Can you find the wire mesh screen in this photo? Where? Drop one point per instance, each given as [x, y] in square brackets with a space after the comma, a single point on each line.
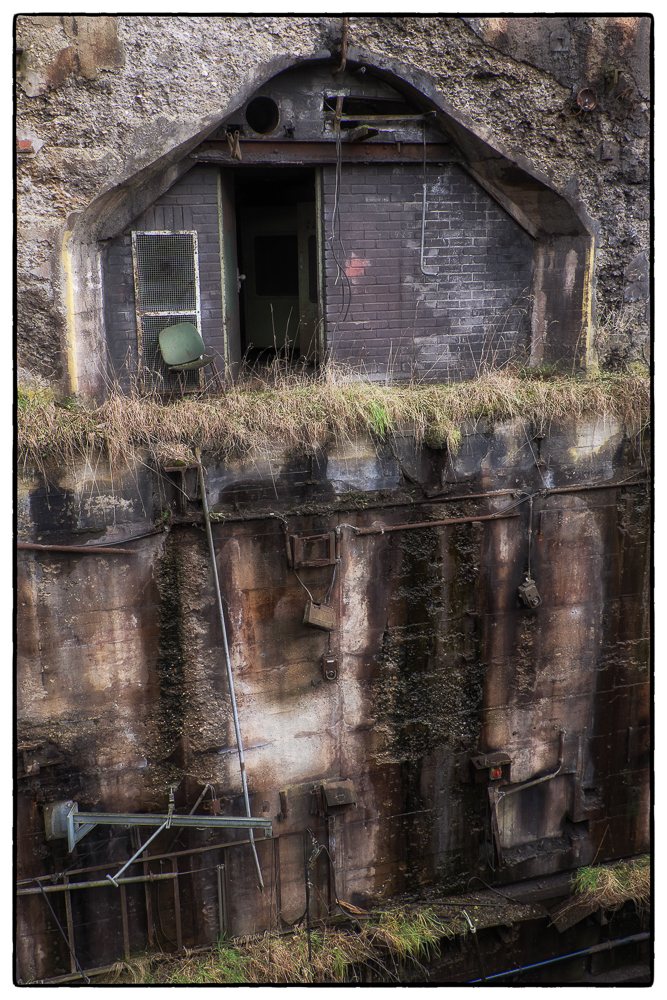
[166, 276]
[154, 369]
[166, 282]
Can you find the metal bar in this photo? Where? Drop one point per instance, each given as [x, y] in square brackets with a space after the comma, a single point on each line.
[228, 664]
[97, 549]
[126, 929]
[95, 884]
[70, 926]
[428, 524]
[300, 152]
[150, 922]
[112, 878]
[177, 906]
[222, 901]
[502, 792]
[155, 857]
[604, 946]
[59, 925]
[341, 68]
[157, 819]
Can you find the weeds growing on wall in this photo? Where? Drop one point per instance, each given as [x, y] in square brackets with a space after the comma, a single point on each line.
[383, 943]
[306, 412]
[610, 886]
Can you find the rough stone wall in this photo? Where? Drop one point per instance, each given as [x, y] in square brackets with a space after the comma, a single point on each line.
[100, 98]
[387, 316]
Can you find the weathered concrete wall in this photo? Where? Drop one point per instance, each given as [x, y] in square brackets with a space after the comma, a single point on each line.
[94, 112]
[122, 687]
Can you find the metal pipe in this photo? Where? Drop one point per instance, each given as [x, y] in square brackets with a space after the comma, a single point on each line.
[157, 819]
[501, 792]
[81, 549]
[165, 826]
[426, 524]
[605, 946]
[228, 664]
[99, 883]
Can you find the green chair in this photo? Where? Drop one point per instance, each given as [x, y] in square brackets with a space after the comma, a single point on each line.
[183, 351]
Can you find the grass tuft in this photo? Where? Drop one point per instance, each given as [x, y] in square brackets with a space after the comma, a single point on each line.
[305, 412]
[383, 942]
[610, 886]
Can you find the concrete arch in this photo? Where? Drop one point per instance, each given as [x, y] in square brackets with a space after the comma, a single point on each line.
[562, 306]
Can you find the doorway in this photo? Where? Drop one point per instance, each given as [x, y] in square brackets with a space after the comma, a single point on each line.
[278, 252]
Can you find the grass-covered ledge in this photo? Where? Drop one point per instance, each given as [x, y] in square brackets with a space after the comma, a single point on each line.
[302, 412]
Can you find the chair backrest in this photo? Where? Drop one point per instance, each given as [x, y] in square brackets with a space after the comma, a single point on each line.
[181, 344]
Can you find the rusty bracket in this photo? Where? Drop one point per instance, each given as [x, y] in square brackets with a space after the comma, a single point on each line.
[300, 544]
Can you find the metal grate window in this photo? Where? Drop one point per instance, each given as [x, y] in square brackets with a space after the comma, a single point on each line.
[166, 290]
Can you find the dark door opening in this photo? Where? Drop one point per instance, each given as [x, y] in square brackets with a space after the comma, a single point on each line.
[276, 225]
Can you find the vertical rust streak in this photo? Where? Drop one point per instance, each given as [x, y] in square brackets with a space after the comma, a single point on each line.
[70, 927]
[177, 907]
[126, 929]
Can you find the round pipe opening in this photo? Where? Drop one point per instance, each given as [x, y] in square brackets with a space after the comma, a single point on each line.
[262, 115]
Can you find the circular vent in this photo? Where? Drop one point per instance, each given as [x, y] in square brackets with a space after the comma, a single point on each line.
[262, 115]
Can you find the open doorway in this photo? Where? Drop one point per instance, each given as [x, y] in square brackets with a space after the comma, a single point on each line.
[277, 253]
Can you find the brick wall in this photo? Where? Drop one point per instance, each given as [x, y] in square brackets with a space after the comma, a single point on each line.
[383, 312]
[191, 204]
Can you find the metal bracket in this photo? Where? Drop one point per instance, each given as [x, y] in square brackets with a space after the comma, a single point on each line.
[63, 819]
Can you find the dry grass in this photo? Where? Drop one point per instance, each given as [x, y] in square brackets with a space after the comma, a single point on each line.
[383, 943]
[303, 412]
[610, 886]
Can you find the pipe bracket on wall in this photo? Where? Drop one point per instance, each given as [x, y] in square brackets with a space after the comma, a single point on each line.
[63, 820]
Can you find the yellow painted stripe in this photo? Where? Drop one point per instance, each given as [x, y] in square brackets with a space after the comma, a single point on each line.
[69, 306]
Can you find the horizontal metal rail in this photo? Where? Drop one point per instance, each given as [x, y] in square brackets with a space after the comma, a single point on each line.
[83, 822]
[373, 530]
[81, 549]
[97, 883]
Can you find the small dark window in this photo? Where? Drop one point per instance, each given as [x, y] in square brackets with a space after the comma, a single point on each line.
[276, 264]
[262, 115]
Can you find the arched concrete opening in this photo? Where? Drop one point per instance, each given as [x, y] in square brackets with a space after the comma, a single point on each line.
[459, 192]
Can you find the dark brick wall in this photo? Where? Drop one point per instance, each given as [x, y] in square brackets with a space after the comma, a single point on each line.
[382, 312]
[191, 204]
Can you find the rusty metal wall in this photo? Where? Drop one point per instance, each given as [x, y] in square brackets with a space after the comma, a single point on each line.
[122, 689]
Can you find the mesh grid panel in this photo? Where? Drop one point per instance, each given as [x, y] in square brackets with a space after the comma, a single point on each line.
[165, 269]
[166, 292]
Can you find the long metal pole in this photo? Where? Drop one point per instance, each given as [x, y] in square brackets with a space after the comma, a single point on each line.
[230, 678]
